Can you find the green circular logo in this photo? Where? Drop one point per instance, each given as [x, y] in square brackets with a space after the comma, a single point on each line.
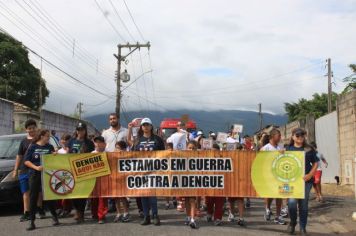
[287, 168]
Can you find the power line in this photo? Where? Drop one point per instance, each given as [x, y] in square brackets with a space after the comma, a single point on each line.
[33, 31]
[57, 34]
[38, 6]
[108, 20]
[122, 22]
[133, 20]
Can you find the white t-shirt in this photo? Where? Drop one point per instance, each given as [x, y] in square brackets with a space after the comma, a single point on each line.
[270, 147]
[231, 140]
[320, 157]
[112, 137]
[179, 140]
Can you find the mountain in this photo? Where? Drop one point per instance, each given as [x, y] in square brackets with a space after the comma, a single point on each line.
[206, 120]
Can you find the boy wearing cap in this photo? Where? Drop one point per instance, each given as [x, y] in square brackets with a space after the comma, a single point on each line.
[99, 206]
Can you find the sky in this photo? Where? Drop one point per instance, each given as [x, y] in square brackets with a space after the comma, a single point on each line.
[204, 54]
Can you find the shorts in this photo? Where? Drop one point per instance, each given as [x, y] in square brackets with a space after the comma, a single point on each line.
[317, 177]
[24, 183]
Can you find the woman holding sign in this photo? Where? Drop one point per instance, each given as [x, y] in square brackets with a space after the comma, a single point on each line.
[298, 143]
[147, 141]
[40, 146]
[80, 143]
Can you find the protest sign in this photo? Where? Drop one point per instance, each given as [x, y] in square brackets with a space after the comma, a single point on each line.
[221, 138]
[237, 128]
[207, 144]
[178, 173]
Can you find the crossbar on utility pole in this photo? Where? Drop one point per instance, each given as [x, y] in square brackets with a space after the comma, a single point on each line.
[121, 58]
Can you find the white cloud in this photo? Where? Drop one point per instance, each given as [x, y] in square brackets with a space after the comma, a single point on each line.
[253, 40]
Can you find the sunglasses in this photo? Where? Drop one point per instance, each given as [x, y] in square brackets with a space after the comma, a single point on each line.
[299, 135]
[145, 124]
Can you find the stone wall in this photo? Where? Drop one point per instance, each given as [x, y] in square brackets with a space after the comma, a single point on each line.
[346, 105]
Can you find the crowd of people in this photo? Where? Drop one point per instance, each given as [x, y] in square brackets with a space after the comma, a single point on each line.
[117, 138]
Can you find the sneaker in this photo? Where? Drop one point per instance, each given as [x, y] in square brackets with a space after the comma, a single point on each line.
[41, 213]
[192, 224]
[187, 220]
[32, 226]
[241, 222]
[167, 205]
[247, 203]
[65, 214]
[146, 221]
[118, 218]
[303, 232]
[291, 228]
[100, 222]
[55, 221]
[268, 215]
[231, 218]
[279, 220]
[218, 222]
[209, 218]
[156, 220]
[125, 218]
[284, 212]
[25, 217]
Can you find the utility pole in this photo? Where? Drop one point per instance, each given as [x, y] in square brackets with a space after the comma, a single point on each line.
[260, 114]
[120, 58]
[329, 86]
[40, 94]
[80, 110]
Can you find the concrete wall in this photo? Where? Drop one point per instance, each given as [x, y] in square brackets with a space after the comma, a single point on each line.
[308, 124]
[6, 117]
[62, 124]
[327, 139]
[50, 120]
[346, 105]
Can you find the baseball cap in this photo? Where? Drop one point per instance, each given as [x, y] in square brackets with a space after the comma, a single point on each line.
[299, 131]
[146, 121]
[81, 125]
[199, 133]
[99, 139]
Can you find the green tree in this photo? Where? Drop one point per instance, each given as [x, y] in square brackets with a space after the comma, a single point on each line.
[19, 79]
[317, 106]
[350, 80]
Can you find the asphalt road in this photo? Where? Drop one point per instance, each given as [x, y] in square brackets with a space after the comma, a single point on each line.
[172, 223]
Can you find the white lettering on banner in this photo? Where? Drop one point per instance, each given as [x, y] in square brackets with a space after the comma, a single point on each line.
[175, 164]
[175, 182]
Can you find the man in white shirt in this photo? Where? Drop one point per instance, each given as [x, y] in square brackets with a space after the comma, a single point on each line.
[274, 139]
[179, 138]
[114, 134]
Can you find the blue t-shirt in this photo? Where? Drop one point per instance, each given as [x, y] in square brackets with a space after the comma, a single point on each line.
[80, 146]
[154, 143]
[35, 152]
[309, 157]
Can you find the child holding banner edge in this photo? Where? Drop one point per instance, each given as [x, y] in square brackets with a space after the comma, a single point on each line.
[148, 141]
[40, 146]
[191, 202]
[298, 143]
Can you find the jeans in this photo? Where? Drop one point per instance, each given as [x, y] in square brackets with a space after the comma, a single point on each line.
[149, 203]
[303, 208]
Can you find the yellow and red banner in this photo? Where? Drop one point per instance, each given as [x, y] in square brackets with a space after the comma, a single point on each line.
[174, 173]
